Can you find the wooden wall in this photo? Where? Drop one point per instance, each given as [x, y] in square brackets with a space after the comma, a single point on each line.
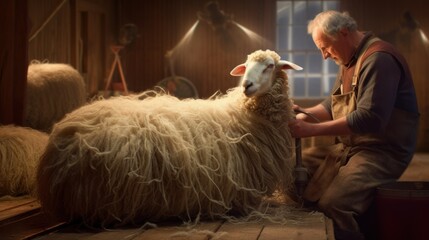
[206, 62]
[75, 32]
[13, 54]
[383, 17]
[81, 32]
[49, 38]
[207, 58]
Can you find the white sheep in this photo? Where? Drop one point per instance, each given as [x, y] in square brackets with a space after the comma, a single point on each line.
[151, 157]
[53, 90]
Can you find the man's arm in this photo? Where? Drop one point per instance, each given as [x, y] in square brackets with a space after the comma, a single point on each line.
[318, 111]
[337, 127]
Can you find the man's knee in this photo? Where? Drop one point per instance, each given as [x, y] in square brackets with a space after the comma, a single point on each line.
[327, 206]
[334, 206]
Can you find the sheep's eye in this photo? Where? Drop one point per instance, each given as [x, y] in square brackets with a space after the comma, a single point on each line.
[270, 66]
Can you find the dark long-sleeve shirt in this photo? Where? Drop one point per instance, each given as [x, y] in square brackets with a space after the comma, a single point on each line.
[384, 83]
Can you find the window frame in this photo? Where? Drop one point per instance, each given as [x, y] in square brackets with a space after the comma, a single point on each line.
[329, 69]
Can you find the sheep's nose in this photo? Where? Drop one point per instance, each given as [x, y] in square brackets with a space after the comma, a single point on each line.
[247, 84]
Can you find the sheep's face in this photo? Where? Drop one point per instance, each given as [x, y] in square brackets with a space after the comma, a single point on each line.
[257, 77]
[259, 73]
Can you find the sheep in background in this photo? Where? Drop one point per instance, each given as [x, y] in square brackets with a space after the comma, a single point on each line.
[53, 90]
[20, 150]
[151, 157]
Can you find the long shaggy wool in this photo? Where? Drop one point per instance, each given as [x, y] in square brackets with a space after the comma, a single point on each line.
[53, 90]
[153, 156]
[20, 150]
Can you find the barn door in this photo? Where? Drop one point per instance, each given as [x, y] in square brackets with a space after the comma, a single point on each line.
[91, 35]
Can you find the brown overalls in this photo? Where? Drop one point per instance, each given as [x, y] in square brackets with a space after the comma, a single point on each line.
[344, 176]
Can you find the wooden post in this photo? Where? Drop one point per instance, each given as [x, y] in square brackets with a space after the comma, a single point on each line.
[13, 61]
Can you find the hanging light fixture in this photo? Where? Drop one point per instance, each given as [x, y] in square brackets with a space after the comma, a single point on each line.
[213, 15]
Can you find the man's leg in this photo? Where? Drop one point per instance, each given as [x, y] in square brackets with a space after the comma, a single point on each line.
[353, 189]
[312, 158]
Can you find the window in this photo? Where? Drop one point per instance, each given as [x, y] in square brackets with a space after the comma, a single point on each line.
[295, 45]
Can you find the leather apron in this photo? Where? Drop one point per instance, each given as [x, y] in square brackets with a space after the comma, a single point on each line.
[342, 104]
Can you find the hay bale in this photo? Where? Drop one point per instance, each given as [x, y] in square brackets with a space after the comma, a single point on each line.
[20, 151]
[53, 90]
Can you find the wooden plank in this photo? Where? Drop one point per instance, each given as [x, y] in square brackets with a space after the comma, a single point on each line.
[329, 228]
[8, 202]
[240, 231]
[201, 231]
[14, 211]
[116, 234]
[27, 227]
[76, 232]
[70, 232]
[309, 226]
[166, 231]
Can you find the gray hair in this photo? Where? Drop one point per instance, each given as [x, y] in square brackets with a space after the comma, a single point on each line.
[331, 22]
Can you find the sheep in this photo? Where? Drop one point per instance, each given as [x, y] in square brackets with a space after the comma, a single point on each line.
[53, 90]
[152, 157]
[20, 150]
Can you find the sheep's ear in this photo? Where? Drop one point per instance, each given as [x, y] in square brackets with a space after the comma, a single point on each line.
[238, 70]
[285, 65]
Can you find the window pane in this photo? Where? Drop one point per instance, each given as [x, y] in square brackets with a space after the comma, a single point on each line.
[282, 39]
[286, 56]
[314, 86]
[314, 7]
[300, 60]
[328, 85]
[299, 12]
[300, 39]
[296, 45]
[283, 12]
[331, 5]
[299, 87]
[314, 63]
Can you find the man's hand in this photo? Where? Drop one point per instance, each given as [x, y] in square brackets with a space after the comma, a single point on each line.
[300, 128]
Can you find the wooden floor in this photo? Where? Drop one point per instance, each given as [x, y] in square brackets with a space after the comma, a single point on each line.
[21, 218]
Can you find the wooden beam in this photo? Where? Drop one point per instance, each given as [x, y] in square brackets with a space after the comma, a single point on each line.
[13, 60]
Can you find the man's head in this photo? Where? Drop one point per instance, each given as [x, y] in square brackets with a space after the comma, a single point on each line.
[334, 33]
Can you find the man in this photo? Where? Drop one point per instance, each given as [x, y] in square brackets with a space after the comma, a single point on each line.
[372, 111]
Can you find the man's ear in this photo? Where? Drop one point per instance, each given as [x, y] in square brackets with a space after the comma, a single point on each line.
[344, 32]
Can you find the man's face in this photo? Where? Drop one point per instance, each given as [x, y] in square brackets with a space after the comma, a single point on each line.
[336, 49]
